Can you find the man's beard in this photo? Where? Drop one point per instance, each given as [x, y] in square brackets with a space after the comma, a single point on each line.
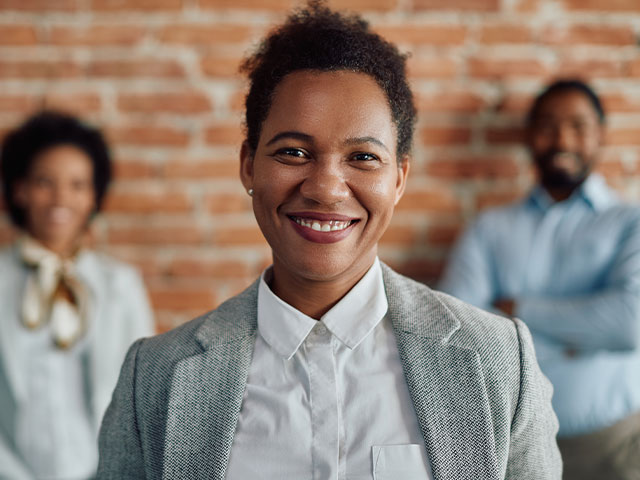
[561, 169]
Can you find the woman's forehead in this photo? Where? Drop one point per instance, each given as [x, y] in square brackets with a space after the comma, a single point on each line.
[340, 104]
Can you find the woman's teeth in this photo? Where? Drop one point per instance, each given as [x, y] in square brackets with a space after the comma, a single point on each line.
[321, 226]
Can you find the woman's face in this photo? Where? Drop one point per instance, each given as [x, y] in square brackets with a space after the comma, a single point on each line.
[325, 176]
[58, 197]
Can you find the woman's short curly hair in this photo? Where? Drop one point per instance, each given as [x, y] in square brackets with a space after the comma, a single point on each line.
[41, 132]
[317, 38]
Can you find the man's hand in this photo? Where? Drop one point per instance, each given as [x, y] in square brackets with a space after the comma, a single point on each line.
[507, 305]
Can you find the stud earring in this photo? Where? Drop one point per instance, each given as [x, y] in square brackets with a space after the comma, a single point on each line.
[250, 192]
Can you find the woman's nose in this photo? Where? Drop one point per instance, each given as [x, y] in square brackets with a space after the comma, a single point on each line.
[326, 183]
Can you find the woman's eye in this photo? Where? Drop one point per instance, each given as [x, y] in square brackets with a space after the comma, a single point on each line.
[364, 157]
[291, 155]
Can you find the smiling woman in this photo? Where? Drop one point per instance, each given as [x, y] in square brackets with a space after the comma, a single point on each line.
[67, 314]
[331, 365]
[325, 181]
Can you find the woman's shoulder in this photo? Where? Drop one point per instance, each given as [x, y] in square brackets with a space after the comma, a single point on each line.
[110, 269]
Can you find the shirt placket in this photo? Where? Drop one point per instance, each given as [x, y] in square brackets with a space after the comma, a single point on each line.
[324, 403]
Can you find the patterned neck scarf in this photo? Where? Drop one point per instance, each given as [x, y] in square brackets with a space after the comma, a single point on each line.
[53, 293]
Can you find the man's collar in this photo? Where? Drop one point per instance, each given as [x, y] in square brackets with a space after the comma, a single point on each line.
[593, 191]
[284, 328]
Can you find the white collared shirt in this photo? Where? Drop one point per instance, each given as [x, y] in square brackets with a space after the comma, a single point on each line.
[328, 399]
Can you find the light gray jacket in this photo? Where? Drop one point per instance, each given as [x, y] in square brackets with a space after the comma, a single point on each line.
[483, 406]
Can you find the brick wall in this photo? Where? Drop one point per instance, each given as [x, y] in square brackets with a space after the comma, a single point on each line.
[160, 77]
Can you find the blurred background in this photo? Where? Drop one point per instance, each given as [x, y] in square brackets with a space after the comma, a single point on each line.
[160, 77]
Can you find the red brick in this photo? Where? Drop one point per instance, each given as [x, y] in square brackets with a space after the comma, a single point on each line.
[487, 167]
[443, 235]
[612, 169]
[220, 65]
[236, 101]
[634, 68]
[599, 5]
[199, 34]
[225, 134]
[618, 102]
[197, 268]
[149, 136]
[505, 68]
[39, 69]
[495, 199]
[438, 200]
[505, 33]
[420, 269]
[133, 169]
[183, 102]
[422, 66]
[468, 5]
[136, 68]
[458, 102]
[515, 103]
[144, 5]
[202, 170]
[277, 5]
[617, 35]
[96, 35]
[423, 34]
[77, 103]
[17, 35]
[434, 136]
[166, 202]
[527, 6]
[152, 235]
[237, 236]
[359, 5]
[142, 258]
[227, 203]
[39, 5]
[589, 68]
[397, 235]
[623, 136]
[18, 103]
[187, 297]
[501, 135]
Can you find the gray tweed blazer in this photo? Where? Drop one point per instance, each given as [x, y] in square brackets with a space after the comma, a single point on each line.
[482, 403]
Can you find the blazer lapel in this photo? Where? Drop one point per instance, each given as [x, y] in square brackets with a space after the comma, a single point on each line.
[206, 393]
[445, 382]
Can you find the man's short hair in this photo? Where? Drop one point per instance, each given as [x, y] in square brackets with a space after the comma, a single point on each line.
[39, 133]
[317, 38]
[563, 86]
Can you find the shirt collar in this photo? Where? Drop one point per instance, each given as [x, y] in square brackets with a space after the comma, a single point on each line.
[284, 328]
[593, 191]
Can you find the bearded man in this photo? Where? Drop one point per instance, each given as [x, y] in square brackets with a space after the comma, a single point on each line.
[566, 260]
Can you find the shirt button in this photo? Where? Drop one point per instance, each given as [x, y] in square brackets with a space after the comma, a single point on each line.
[321, 330]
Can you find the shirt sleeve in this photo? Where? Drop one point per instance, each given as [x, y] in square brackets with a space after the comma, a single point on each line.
[11, 466]
[468, 275]
[139, 312]
[608, 318]
[533, 451]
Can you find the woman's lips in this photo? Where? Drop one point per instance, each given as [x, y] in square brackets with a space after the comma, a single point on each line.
[322, 228]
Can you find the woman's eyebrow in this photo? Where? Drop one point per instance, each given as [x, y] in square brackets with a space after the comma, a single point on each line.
[290, 134]
[360, 140]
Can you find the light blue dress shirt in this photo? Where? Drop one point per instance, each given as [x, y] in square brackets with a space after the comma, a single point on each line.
[573, 269]
[328, 399]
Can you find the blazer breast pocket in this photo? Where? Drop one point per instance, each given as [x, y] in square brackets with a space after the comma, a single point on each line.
[408, 462]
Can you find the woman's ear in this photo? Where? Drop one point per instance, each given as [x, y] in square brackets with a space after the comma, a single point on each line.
[401, 183]
[246, 165]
